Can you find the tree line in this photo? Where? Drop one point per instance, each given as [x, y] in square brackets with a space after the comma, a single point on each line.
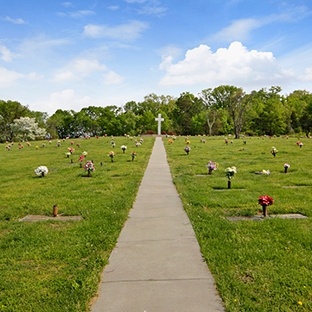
[219, 111]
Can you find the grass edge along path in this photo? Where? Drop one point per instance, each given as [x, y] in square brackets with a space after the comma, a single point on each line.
[257, 266]
[54, 265]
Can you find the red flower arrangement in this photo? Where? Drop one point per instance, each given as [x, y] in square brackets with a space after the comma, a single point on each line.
[265, 200]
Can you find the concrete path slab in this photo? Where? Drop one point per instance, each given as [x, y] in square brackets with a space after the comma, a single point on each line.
[156, 265]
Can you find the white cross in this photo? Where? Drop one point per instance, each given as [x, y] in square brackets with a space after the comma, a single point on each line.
[159, 119]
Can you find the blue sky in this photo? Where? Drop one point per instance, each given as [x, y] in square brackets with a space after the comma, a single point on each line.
[74, 54]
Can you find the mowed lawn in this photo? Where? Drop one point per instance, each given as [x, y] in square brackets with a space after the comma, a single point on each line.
[257, 265]
[56, 265]
[261, 265]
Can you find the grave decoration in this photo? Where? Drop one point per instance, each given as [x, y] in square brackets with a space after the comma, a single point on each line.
[265, 201]
[274, 151]
[229, 172]
[211, 166]
[267, 172]
[187, 149]
[41, 171]
[286, 166]
[111, 155]
[55, 210]
[123, 147]
[89, 167]
[71, 149]
[133, 155]
[300, 144]
[170, 141]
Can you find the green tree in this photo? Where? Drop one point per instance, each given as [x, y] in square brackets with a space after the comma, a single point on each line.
[232, 99]
[296, 105]
[187, 106]
[9, 111]
[26, 128]
[62, 123]
[271, 112]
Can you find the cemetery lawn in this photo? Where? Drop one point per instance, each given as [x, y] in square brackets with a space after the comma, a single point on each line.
[56, 265]
[257, 265]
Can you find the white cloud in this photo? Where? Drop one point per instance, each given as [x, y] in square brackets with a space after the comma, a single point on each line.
[5, 54]
[86, 66]
[18, 21]
[65, 76]
[129, 31]
[113, 7]
[78, 69]
[34, 76]
[238, 30]
[67, 4]
[9, 77]
[241, 29]
[65, 100]
[112, 78]
[81, 13]
[35, 46]
[234, 66]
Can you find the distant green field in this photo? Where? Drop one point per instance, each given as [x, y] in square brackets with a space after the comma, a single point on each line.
[257, 265]
[56, 265]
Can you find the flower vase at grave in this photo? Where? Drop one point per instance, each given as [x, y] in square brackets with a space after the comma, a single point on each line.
[210, 171]
[229, 184]
[89, 173]
[42, 174]
[285, 169]
[55, 210]
[265, 210]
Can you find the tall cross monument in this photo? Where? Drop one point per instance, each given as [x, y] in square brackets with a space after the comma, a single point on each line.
[159, 119]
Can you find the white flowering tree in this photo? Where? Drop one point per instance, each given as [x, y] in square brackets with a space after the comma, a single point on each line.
[26, 128]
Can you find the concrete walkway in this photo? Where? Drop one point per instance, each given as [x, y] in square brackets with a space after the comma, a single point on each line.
[157, 265]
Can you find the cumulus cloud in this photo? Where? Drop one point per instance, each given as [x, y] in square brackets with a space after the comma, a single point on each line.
[65, 100]
[235, 65]
[78, 69]
[9, 77]
[112, 78]
[129, 31]
[65, 76]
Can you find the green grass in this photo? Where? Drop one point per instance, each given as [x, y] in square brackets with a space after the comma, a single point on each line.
[56, 265]
[257, 266]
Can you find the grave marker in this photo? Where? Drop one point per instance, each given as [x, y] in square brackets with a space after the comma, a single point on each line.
[159, 119]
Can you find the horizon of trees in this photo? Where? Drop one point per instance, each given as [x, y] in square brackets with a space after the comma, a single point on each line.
[219, 111]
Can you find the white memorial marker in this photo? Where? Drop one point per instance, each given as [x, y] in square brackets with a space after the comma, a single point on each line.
[159, 119]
